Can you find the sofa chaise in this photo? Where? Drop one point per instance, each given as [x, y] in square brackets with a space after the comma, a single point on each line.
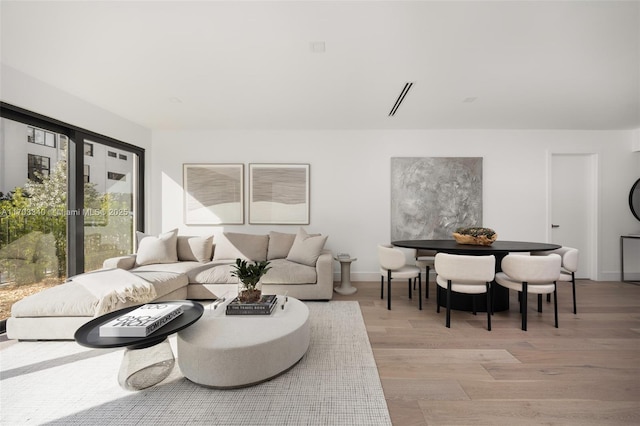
[173, 267]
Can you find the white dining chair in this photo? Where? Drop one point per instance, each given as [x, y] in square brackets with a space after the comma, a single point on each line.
[568, 268]
[531, 274]
[465, 274]
[393, 264]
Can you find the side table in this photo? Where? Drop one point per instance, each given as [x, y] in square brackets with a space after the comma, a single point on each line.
[622, 238]
[345, 287]
[147, 360]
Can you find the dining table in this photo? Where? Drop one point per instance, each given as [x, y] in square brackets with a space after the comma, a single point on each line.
[499, 249]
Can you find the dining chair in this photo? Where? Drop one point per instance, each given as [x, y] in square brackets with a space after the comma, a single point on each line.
[425, 260]
[568, 268]
[393, 264]
[465, 274]
[531, 274]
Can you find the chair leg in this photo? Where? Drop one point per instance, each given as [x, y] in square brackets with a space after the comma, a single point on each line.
[381, 286]
[389, 290]
[448, 304]
[473, 304]
[437, 298]
[426, 284]
[573, 283]
[540, 303]
[555, 302]
[410, 295]
[523, 306]
[420, 291]
[548, 297]
[489, 307]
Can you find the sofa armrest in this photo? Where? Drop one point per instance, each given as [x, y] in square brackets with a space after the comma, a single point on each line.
[122, 262]
[324, 271]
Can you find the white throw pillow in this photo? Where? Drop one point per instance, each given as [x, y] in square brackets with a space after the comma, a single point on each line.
[195, 249]
[306, 248]
[160, 249]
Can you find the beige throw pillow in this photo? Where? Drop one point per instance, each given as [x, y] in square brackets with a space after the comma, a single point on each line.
[195, 249]
[279, 245]
[306, 248]
[160, 249]
[232, 245]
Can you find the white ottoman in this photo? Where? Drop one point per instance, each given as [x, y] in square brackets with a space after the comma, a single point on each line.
[233, 351]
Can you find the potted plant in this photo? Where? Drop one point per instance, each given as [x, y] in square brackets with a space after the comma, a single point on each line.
[250, 274]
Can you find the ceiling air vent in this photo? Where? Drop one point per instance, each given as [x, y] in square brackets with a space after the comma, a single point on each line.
[401, 97]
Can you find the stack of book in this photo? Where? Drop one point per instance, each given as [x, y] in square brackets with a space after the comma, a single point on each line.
[142, 321]
[264, 306]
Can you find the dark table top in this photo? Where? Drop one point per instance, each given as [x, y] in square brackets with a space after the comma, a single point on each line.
[89, 333]
[498, 247]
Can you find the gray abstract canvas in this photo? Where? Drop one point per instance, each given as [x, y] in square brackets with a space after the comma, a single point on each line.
[432, 196]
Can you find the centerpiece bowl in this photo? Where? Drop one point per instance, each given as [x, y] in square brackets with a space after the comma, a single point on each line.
[475, 236]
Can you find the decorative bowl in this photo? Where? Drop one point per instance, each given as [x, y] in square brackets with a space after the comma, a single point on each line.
[464, 236]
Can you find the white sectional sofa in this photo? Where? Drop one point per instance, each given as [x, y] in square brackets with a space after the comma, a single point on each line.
[177, 267]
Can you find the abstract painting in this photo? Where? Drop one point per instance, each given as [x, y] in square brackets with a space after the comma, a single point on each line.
[432, 196]
[213, 194]
[279, 194]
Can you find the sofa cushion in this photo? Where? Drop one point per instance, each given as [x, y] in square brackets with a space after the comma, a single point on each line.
[197, 249]
[163, 281]
[285, 272]
[306, 248]
[232, 245]
[160, 249]
[65, 300]
[279, 245]
[214, 273]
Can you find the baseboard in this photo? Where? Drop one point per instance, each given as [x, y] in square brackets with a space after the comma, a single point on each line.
[365, 276]
[615, 276]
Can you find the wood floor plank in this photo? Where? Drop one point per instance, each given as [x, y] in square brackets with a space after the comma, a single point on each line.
[586, 372]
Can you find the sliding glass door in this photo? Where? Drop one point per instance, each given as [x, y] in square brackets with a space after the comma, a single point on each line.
[69, 199]
[109, 207]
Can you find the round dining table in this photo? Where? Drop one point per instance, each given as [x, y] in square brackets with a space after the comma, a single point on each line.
[499, 249]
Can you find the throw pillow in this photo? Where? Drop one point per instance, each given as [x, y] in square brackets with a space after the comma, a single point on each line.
[195, 249]
[232, 245]
[160, 249]
[279, 245]
[306, 248]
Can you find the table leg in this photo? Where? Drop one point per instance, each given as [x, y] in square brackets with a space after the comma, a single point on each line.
[142, 368]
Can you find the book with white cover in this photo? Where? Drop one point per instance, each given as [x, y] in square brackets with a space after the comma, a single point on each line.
[142, 321]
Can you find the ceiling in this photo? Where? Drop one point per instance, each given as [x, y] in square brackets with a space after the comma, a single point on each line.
[253, 65]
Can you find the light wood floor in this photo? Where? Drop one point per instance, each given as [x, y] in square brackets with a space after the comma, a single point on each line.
[586, 372]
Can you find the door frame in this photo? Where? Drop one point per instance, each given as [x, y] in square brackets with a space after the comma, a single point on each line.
[594, 191]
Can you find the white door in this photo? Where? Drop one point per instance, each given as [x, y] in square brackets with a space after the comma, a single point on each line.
[573, 207]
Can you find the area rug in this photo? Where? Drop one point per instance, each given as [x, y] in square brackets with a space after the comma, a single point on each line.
[336, 383]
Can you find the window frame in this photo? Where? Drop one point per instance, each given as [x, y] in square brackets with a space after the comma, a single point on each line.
[75, 180]
[31, 175]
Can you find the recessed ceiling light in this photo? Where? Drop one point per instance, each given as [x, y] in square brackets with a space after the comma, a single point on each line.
[317, 46]
[470, 99]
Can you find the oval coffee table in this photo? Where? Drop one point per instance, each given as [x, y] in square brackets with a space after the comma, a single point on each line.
[233, 351]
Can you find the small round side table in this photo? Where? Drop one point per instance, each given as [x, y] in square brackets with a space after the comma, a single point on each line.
[345, 287]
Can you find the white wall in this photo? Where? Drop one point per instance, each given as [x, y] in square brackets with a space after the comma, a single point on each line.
[24, 91]
[350, 172]
[350, 181]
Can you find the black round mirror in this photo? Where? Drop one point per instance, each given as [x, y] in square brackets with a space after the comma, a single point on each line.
[634, 199]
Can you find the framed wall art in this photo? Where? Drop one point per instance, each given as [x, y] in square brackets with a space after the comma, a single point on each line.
[213, 194]
[432, 196]
[279, 194]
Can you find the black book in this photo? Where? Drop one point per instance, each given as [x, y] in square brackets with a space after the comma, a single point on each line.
[262, 307]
